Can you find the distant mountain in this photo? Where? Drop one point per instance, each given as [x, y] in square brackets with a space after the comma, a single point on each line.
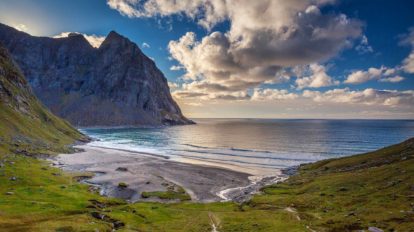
[113, 85]
[25, 124]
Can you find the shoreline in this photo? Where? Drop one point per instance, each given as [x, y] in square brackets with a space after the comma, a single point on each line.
[146, 172]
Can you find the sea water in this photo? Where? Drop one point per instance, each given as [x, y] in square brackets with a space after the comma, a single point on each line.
[257, 146]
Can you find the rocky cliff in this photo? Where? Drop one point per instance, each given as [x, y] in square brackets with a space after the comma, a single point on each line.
[113, 85]
[25, 124]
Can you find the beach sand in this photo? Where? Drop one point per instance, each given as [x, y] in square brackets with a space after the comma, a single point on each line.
[143, 172]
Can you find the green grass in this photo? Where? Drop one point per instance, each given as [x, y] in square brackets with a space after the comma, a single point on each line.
[353, 193]
[177, 193]
[347, 194]
[373, 189]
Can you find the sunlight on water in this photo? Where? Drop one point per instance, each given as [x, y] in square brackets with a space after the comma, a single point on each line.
[257, 145]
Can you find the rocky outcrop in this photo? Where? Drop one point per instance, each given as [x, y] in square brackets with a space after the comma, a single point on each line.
[113, 85]
[25, 124]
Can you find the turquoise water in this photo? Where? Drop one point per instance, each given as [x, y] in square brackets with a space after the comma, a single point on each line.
[257, 145]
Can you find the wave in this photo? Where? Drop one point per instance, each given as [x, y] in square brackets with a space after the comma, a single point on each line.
[232, 161]
[197, 146]
[233, 149]
[248, 150]
[247, 156]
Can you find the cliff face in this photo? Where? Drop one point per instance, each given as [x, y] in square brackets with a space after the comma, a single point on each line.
[24, 122]
[113, 85]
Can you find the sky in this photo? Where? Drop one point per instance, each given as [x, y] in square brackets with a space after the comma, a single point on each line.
[255, 59]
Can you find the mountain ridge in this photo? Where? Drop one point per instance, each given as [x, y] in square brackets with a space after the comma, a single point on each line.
[113, 85]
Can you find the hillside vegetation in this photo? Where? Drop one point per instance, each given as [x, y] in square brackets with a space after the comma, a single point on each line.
[347, 194]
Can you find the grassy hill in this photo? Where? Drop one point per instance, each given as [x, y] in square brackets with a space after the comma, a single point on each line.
[348, 194]
[26, 125]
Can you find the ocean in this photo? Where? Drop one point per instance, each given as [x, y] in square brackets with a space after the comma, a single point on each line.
[256, 146]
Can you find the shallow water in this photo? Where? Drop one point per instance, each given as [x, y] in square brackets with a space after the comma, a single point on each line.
[257, 146]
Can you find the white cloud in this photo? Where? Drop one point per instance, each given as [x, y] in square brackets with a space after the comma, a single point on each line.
[206, 90]
[392, 79]
[264, 38]
[363, 47]
[93, 40]
[145, 45]
[176, 67]
[21, 27]
[317, 78]
[382, 74]
[272, 94]
[408, 63]
[367, 97]
[173, 85]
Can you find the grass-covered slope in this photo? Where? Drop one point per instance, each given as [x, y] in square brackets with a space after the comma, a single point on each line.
[348, 194]
[352, 193]
[25, 125]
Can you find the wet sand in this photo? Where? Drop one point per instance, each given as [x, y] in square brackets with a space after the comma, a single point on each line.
[145, 172]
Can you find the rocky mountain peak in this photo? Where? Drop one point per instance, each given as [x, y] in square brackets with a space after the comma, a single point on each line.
[115, 39]
[115, 85]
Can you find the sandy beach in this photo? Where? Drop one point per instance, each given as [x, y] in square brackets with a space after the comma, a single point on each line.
[144, 172]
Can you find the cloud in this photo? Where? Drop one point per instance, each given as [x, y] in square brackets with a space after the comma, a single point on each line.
[145, 45]
[272, 94]
[208, 91]
[93, 40]
[392, 79]
[367, 97]
[382, 74]
[264, 38]
[408, 63]
[363, 47]
[317, 78]
[176, 67]
[21, 27]
[173, 85]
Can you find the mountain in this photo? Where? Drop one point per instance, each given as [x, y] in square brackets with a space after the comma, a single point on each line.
[25, 124]
[113, 85]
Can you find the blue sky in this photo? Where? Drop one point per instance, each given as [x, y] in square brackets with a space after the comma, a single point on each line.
[373, 37]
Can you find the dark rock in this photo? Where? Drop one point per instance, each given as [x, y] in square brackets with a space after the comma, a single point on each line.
[343, 189]
[115, 84]
[118, 224]
[98, 215]
[122, 169]
[122, 185]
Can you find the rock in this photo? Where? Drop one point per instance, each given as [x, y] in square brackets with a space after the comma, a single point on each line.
[374, 229]
[9, 193]
[351, 214]
[115, 84]
[118, 224]
[343, 189]
[122, 169]
[13, 178]
[122, 185]
[98, 215]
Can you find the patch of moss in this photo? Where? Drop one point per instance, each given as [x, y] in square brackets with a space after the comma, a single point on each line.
[177, 193]
[122, 185]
